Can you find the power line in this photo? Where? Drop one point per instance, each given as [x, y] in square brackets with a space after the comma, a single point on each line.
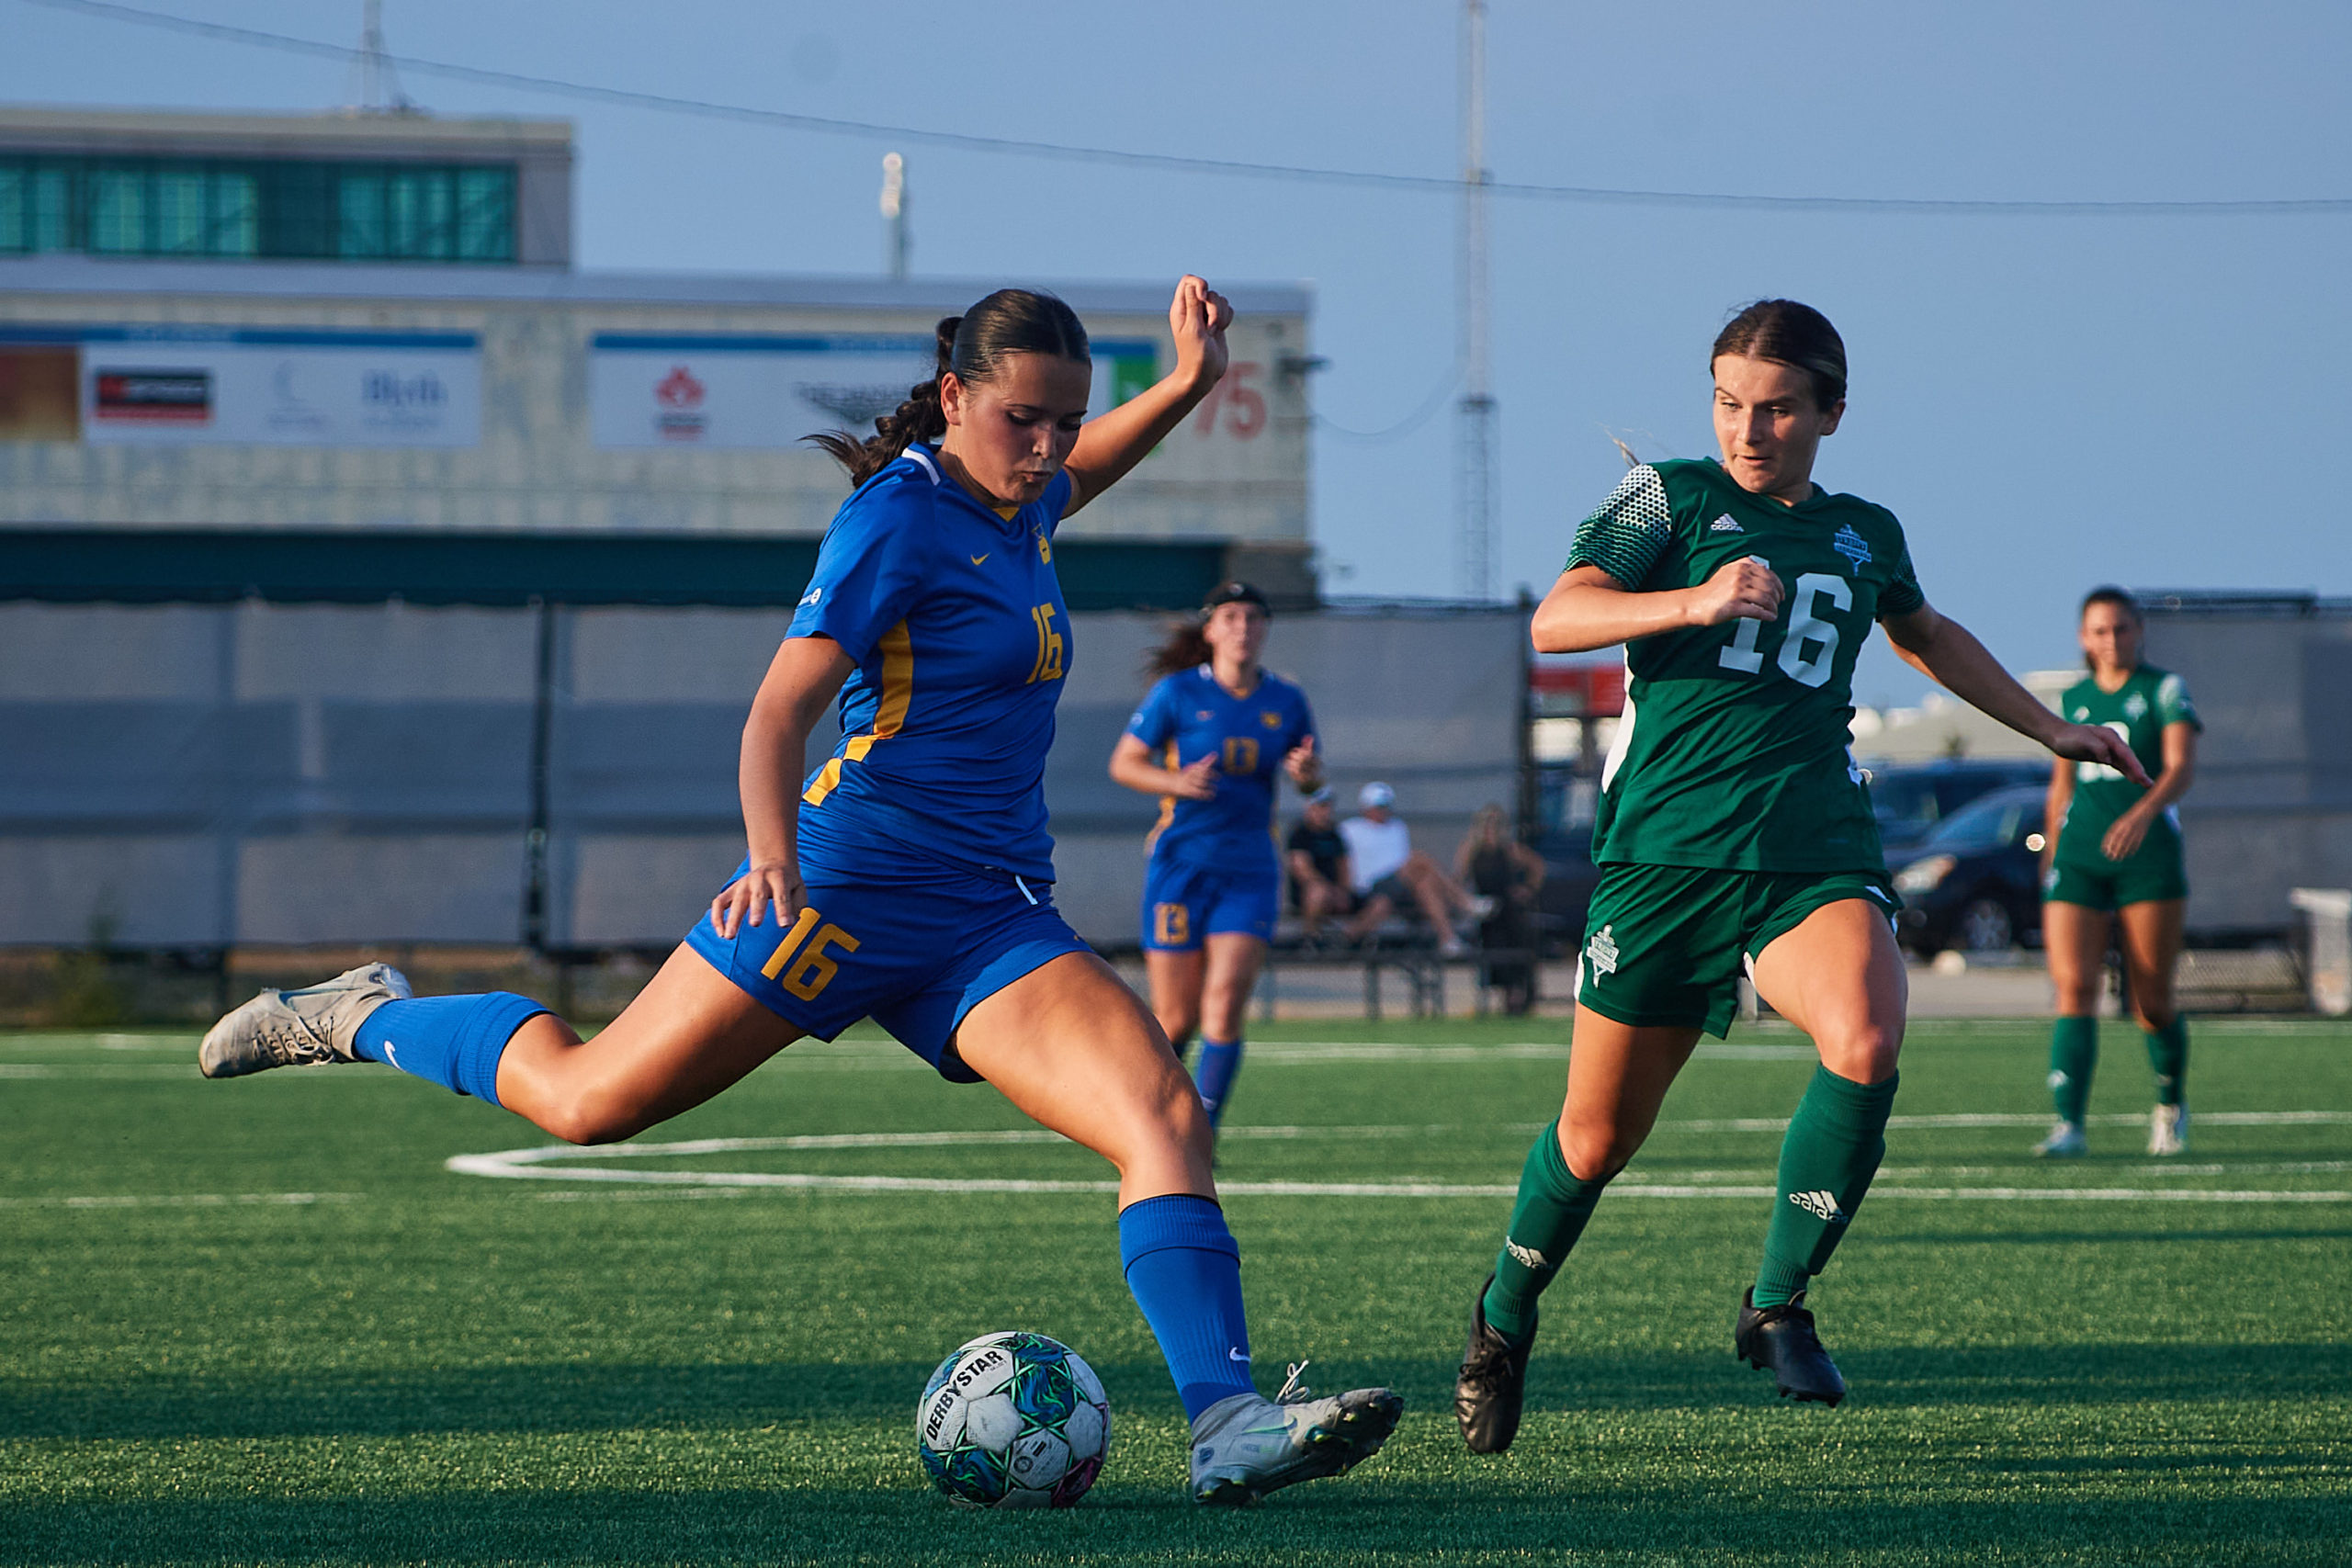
[1241, 168]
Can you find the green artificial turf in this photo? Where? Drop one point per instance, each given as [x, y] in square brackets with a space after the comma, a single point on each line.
[260, 1321]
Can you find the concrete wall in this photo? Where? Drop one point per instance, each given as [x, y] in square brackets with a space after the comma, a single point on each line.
[185, 776]
[2271, 808]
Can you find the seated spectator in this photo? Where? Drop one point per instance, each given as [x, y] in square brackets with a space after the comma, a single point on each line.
[1509, 876]
[1317, 856]
[1387, 872]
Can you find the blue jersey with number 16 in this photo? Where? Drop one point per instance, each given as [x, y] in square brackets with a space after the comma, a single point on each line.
[956, 619]
[1187, 717]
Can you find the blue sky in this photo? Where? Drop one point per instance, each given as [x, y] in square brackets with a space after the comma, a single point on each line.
[2048, 402]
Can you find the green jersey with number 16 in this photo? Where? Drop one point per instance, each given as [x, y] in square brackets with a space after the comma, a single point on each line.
[1732, 753]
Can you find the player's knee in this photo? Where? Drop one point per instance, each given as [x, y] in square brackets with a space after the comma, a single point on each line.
[1170, 1121]
[2078, 1000]
[1594, 1150]
[1178, 1023]
[595, 1115]
[1864, 1053]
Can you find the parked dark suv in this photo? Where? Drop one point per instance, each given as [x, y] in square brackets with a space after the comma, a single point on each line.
[1910, 799]
[1974, 883]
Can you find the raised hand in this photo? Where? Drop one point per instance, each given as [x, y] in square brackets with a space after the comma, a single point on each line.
[1305, 768]
[1744, 589]
[774, 886]
[1197, 318]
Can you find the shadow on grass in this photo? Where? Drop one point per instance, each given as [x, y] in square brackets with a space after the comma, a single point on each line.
[1359, 1520]
[591, 1398]
[2077, 1238]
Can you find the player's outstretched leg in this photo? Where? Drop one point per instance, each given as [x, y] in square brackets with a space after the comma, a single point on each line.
[1550, 1212]
[1246, 1446]
[1831, 1150]
[1838, 977]
[1070, 1045]
[368, 1014]
[314, 1026]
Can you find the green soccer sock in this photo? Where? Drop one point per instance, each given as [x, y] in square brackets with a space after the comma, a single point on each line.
[1553, 1204]
[1832, 1150]
[2168, 1056]
[2073, 1056]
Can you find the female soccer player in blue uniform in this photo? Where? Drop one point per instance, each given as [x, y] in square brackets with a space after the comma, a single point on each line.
[1734, 832]
[909, 877]
[1213, 740]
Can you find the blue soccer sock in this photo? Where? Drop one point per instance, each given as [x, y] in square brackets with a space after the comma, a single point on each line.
[1186, 1271]
[452, 1041]
[1220, 1064]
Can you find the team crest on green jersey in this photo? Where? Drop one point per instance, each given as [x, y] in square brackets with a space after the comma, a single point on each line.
[1603, 951]
[1853, 546]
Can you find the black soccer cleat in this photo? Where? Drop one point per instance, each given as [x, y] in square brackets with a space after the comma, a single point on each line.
[1781, 1341]
[1492, 1386]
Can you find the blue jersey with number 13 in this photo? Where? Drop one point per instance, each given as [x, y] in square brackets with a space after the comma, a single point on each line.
[1188, 716]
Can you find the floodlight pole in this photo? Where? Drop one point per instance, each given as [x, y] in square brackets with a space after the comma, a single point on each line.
[379, 87]
[1475, 432]
[895, 242]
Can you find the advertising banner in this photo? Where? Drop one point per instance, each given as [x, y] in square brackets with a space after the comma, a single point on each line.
[266, 387]
[39, 400]
[765, 392]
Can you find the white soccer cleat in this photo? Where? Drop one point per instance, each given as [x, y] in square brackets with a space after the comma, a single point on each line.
[2168, 1130]
[2066, 1142]
[1246, 1446]
[295, 1029]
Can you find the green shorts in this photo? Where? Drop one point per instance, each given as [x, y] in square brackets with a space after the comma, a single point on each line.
[1665, 944]
[2142, 878]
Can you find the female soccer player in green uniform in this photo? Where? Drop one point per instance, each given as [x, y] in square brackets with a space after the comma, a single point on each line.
[2114, 854]
[1734, 830]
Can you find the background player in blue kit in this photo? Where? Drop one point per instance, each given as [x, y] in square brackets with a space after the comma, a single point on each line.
[1212, 740]
[909, 877]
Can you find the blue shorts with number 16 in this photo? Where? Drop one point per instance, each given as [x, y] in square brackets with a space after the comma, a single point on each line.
[913, 956]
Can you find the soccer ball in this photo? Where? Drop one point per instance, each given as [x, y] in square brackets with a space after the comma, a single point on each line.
[1013, 1421]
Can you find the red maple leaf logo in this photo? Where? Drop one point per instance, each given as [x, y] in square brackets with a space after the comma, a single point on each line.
[679, 390]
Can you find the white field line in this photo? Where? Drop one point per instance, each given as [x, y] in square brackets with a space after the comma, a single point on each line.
[180, 1200]
[555, 1162]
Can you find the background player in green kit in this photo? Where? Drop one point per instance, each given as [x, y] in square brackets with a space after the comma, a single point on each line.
[2114, 855]
[1734, 830]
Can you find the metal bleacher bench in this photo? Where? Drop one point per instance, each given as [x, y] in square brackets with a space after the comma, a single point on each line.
[1406, 946]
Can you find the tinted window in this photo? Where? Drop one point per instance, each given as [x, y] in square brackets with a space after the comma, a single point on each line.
[1989, 822]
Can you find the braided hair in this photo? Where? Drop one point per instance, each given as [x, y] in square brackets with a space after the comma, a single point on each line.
[973, 345]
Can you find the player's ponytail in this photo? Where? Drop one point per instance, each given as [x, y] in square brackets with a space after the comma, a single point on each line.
[1790, 333]
[973, 346]
[1186, 646]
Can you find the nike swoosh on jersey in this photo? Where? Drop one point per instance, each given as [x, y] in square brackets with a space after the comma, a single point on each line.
[978, 559]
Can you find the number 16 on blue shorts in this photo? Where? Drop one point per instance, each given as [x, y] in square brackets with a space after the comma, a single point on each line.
[1182, 905]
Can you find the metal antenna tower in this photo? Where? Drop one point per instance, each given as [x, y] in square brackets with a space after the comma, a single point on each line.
[1475, 434]
[379, 89]
[894, 240]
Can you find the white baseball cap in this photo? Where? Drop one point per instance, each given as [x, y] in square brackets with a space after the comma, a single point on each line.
[1375, 793]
